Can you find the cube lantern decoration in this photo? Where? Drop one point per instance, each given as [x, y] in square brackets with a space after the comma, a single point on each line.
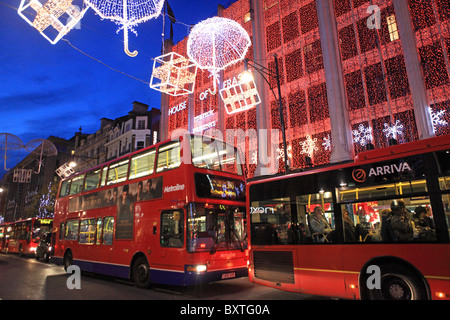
[240, 96]
[22, 175]
[173, 74]
[53, 19]
[65, 171]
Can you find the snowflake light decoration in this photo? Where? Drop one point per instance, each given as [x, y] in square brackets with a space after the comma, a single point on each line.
[280, 152]
[309, 146]
[52, 17]
[394, 130]
[363, 135]
[173, 74]
[253, 157]
[127, 14]
[216, 43]
[436, 118]
[327, 143]
[240, 96]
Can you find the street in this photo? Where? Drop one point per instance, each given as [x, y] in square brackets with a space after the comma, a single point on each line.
[27, 278]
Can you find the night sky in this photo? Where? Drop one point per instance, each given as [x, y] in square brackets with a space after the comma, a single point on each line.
[54, 89]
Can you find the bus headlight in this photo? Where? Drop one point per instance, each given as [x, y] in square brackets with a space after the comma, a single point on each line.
[200, 268]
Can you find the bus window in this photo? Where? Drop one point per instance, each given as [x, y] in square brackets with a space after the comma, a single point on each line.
[61, 231]
[270, 221]
[443, 158]
[172, 229]
[92, 180]
[391, 189]
[71, 230]
[108, 230]
[207, 231]
[444, 183]
[117, 172]
[142, 164]
[216, 155]
[279, 221]
[65, 186]
[87, 231]
[103, 180]
[77, 184]
[374, 221]
[446, 203]
[169, 156]
[99, 231]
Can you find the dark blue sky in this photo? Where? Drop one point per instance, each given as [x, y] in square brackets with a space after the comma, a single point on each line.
[54, 89]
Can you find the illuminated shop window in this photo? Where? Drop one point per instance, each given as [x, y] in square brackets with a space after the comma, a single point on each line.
[392, 26]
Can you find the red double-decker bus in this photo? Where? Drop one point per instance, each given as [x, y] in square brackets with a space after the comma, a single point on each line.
[22, 236]
[172, 213]
[375, 228]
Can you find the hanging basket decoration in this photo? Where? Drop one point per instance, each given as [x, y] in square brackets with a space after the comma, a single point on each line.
[54, 17]
[216, 43]
[127, 14]
[173, 74]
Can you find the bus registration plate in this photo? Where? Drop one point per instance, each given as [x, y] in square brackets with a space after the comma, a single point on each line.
[229, 275]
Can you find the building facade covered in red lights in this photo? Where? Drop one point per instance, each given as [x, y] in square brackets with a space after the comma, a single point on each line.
[352, 73]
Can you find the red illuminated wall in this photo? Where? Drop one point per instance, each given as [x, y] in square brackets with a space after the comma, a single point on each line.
[375, 79]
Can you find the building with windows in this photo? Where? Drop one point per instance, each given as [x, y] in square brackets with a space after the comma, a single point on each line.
[27, 195]
[354, 74]
[134, 131]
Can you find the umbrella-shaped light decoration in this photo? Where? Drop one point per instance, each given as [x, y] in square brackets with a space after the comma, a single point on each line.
[9, 142]
[127, 13]
[216, 43]
[40, 148]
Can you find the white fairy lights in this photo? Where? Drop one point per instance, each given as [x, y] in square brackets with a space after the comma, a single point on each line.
[216, 43]
[363, 135]
[127, 13]
[280, 153]
[309, 146]
[52, 17]
[393, 131]
[240, 96]
[327, 143]
[436, 118]
[173, 74]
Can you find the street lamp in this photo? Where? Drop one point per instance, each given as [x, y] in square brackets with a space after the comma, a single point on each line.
[262, 70]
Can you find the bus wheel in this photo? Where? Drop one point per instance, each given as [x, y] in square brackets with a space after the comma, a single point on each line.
[141, 273]
[68, 259]
[398, 283]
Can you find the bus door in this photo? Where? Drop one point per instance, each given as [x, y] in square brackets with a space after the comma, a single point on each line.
[105, 237]
[170, 263]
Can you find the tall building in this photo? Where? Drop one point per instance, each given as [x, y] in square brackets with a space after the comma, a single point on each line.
[354, 74]
[18, 199]
[131, 132]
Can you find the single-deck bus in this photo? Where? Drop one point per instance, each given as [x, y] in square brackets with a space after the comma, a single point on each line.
[373, 228]
[172, 213]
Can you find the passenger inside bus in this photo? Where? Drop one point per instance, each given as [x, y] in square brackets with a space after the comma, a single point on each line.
[401, 222]
[320, 229]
